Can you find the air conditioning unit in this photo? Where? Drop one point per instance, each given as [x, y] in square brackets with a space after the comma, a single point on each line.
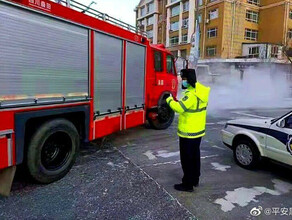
[207, 21]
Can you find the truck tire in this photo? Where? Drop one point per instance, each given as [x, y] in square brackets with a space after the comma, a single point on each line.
[246, 154]
[52, 151]
[164, 119]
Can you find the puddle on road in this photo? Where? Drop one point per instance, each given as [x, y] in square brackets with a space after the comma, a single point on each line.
[217, 147]
[162, 153]
[166, 154]
[150, 155]
[243, 196]
[220, 167]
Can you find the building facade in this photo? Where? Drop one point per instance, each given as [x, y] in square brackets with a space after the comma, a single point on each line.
[151, 18]
[228, 28]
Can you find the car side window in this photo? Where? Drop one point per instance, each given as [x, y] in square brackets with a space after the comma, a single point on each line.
[158, 64]
[170, 64]
[288, 122]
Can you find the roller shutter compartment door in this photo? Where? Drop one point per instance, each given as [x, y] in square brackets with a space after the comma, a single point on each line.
[135, 75]
[41, 56]
[108, 74]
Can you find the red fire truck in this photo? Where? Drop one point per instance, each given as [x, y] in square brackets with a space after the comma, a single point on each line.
[70, 75]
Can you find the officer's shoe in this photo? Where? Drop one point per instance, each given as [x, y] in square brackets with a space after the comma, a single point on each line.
[183, 187]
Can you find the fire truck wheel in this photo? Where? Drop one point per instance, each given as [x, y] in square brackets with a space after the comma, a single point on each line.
[164, 119]
[52, 150]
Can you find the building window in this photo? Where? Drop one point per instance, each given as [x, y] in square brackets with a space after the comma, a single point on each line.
[290, 14]
[184, 38]
[186, 6]
[200, 18]
[150, 7]
[290, 33]
[252, 16]
[158, 64]
[141, 23]
[254, 2]
[211, 51]
[251, 34]
[143, 11]
[172, 1]
[173, 41]
[253, 52]
[212, 32]
[200, 2]
[150, 34]
[213, 14]
[175, 11]
[274, 51]
[185, 23]
[174, 26]
[183, 54]
[150, 20]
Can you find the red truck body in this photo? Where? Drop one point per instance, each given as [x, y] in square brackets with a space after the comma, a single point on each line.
[119, 85]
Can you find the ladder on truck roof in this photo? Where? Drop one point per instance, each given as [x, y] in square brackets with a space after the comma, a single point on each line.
[97, 14]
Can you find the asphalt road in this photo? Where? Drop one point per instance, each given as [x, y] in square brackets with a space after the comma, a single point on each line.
[226, 191]
[130, 175]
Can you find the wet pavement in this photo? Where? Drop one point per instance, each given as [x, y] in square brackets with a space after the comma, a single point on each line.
[130, 175]
[102, 185]
[226, 191]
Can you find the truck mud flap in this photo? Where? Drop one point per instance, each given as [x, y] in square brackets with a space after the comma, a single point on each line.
[6, 179]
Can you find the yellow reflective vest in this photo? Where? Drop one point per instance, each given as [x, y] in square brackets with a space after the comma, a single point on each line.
[192, 109]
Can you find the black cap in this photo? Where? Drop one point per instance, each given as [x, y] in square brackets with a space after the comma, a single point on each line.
[190, 75]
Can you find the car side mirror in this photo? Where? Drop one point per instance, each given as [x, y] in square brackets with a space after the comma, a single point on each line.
[281, 123]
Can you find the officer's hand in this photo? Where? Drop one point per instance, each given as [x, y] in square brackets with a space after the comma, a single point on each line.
[169, 98]
[168, 95]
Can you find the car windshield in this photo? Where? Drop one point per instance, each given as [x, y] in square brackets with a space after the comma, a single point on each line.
[276, 119]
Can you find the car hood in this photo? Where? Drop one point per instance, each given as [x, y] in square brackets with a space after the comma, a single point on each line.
[252, 122]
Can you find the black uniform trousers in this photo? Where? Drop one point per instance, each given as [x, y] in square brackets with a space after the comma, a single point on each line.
[190, 160]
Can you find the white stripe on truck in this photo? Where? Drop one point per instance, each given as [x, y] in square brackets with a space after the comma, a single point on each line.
[9, 150]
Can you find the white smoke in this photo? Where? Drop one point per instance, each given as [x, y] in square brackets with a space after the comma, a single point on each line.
[261, 87]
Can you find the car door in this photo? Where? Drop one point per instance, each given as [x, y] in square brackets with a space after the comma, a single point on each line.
[279, 140]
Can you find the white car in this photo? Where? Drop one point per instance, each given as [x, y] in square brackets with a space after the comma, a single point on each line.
[253, 139]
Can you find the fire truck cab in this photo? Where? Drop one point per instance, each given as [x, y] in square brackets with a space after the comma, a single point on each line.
[72, 75]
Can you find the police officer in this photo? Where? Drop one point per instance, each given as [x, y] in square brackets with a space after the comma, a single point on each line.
[191, 127]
